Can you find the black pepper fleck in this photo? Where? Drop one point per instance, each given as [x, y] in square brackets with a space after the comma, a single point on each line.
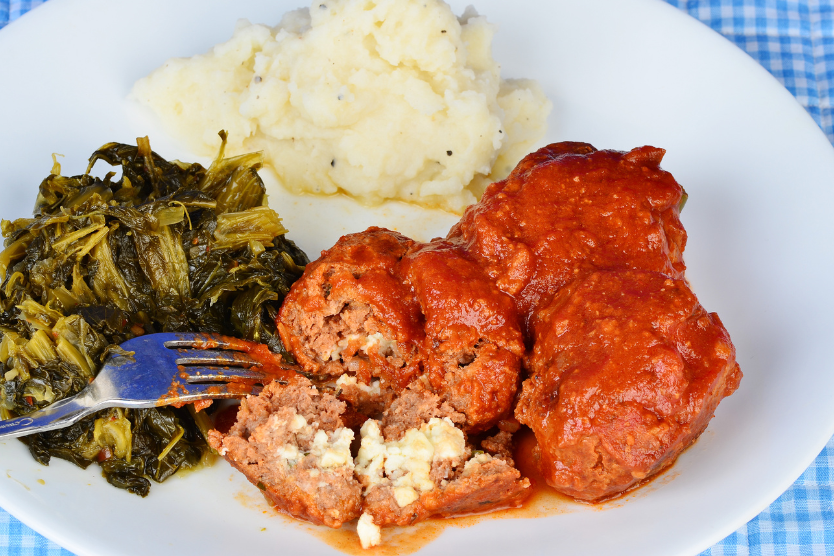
[322, 6]
[449, 153]
[333, 163]
[258, 79]
[443, 31]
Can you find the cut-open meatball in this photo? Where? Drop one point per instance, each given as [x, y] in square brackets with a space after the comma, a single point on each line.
[291, 442]
[416, 463]
[626, 372]
[473, 346]
[351, 313]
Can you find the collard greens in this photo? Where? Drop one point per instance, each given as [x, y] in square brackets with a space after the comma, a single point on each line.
[167, 247]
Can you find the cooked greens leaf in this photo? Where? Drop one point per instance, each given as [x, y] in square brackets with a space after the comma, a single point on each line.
[169, 246]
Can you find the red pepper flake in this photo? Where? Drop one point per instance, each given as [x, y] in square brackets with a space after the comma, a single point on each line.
[29, 400]
[104, 454]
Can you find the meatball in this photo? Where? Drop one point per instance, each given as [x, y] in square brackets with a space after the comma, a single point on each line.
[351, 313]
[569, 209]
[626, 372]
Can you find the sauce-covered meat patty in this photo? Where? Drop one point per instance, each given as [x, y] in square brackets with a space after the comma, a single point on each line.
[569, 209]
[473, 345]
[626, 372]
[352, 313]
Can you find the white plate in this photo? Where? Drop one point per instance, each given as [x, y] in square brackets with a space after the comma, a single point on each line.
[760, 175]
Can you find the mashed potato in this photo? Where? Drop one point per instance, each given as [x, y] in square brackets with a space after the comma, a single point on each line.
[379, 99]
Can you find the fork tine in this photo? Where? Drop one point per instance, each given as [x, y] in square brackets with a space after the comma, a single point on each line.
[209, 358]
[208, 341]
[184, 393]
[219, 374]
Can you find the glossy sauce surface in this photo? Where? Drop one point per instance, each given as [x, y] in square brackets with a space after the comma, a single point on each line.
[626, 372]
[569, 209]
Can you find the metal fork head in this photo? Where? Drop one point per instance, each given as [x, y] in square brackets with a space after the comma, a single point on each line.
[163, 369]
[178, 368]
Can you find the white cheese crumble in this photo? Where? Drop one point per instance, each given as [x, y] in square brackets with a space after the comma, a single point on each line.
[346, 380]
[369, 533]
[405, 464]
[372, 389]
[476, 460]
[333, 451]
[298, 422]
[383, 345]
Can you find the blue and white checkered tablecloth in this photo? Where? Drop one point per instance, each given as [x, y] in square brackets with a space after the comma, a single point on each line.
[794, 40]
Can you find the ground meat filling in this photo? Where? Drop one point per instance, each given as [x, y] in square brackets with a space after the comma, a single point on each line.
[291, 443]
[412, 409]
[366, 399]
[479, 381]
[500, 445]
[353, 340]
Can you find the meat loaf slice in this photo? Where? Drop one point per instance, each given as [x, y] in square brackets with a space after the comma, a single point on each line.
[291, 443]
[351, 313]
[416, 463]
[626, 372]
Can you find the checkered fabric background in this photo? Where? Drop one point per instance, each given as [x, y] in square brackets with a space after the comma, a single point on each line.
[794, 40]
